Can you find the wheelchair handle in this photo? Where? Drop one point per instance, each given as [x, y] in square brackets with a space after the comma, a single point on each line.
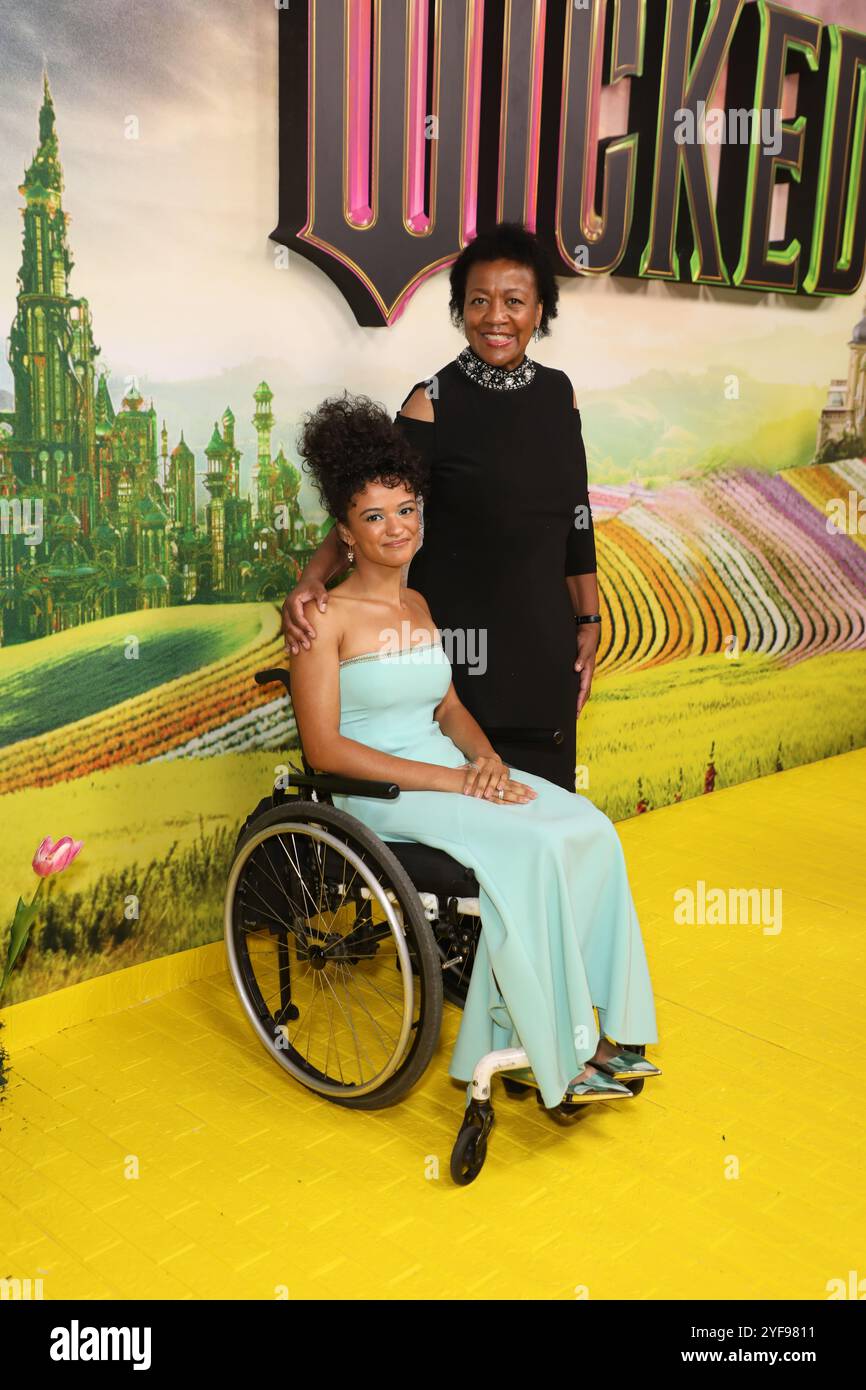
[265, 678]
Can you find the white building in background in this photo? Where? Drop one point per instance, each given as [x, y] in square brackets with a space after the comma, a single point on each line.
[845, 411]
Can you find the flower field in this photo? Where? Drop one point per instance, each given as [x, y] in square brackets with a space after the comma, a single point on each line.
[737, 561]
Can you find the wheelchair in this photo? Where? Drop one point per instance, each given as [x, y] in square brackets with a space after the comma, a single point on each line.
[342, 948]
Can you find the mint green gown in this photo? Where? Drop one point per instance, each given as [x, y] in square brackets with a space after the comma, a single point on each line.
[558, 924]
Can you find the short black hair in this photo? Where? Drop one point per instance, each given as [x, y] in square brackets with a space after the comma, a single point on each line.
[507, 241]
[349, 441]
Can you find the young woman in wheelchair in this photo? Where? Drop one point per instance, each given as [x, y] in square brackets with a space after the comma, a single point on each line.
[373, 699]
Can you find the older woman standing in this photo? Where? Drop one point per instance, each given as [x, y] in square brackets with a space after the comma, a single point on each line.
[507, 563]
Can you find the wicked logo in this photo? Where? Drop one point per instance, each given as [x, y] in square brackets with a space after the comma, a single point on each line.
[407, 126]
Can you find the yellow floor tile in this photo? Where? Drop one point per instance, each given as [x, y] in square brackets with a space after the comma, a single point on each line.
[248, 1185]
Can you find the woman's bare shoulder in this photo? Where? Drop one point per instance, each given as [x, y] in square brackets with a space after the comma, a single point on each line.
[419, 603]
[415, 596]
[419, 406]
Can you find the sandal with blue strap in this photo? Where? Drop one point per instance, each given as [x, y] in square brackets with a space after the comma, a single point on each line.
[596, 1087]
[627, 1066]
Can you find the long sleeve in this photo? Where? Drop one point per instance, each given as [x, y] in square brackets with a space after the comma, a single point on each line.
[580, 555]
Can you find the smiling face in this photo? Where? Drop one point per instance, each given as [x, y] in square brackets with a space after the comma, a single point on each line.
[501, 311]
[382, 524]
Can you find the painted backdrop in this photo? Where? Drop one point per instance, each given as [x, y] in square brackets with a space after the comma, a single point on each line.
[163, 378]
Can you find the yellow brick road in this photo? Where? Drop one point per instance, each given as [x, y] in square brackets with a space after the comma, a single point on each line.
[738, 1174]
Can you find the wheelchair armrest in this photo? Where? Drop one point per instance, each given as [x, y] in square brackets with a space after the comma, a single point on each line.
[343, 786]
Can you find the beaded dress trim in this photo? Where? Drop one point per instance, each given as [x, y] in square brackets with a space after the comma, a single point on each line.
[497, 378]
[377, 656]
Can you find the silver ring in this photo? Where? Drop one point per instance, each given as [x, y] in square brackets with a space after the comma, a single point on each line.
[501, 794]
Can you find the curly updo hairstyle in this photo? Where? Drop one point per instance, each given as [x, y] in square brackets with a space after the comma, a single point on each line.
[507, 241]
[349, 441]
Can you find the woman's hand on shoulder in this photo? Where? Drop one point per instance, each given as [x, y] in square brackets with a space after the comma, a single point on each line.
[297, 630]
[329, 625]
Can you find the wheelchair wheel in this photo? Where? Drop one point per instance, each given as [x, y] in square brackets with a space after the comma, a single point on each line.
[331, 954]
[470, 1147]
[467, 1157]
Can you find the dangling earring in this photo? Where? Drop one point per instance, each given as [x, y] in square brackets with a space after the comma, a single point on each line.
[351, 555]
[535, 335]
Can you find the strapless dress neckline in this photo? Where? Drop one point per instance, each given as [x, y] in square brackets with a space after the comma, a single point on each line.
[400, 651]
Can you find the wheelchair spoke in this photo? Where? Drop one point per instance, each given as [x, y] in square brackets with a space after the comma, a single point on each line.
[270, 910]
[272, 871]
[345, 983]
[267, 871]
[318, 910]
[376, 1025]
[352, 1031]
[327, 1002]
[310, 1013]
[396, 1006]
[266, 999]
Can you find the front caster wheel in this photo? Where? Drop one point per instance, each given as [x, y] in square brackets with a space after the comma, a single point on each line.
[470, 1148]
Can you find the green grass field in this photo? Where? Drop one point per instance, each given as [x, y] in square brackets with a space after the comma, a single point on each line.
[652, 724]
[56, 680]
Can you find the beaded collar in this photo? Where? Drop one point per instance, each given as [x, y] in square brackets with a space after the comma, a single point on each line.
[498, 378]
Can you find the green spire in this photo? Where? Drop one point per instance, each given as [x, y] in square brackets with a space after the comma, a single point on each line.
[43, 181]
[46, 113]
[181, 450]
[216, 445]
[103, 410]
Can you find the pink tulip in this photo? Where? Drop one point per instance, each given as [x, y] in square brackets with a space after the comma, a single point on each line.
[53, 859]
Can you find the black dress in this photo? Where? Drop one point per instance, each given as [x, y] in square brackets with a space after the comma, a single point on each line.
[507, 487]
